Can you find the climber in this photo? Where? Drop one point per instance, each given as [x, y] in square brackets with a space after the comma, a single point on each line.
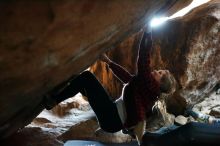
[129, 112]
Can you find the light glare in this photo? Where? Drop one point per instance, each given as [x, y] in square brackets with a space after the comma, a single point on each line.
[185, 10]
[155, 22]
[158, 21]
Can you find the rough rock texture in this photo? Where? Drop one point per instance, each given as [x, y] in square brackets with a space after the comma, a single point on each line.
[43, 43]
[32, 137]
[188, 46]
[87, 132]
[124, 54]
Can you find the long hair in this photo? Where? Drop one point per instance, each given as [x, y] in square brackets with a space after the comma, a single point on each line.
[167, 84]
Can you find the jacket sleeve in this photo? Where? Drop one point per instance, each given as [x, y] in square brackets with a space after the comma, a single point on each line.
[145, 48]
[121, 73]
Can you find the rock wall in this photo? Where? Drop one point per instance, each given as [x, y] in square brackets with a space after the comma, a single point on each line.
[42, 43]
[124, 54]
[188, 46]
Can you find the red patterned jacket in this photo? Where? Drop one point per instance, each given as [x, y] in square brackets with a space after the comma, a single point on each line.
[141, 90]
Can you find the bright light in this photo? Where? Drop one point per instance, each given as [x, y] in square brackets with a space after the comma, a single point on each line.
[155, 22]
[185, 10]
[158, 21]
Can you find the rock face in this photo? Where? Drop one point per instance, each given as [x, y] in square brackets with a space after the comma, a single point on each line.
[188, 46]
[124, 54]
[34, 137]
[44, 42]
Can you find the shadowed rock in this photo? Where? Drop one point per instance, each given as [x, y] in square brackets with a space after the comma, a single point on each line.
[42, 43]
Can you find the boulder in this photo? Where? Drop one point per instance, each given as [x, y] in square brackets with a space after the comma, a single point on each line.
[33, 136]
[89, 130]
[43, 43]
[189, 47]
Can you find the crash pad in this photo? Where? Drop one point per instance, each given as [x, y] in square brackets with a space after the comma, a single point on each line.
[96, 143]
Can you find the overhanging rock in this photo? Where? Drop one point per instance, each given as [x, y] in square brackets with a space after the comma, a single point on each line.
[43, 43]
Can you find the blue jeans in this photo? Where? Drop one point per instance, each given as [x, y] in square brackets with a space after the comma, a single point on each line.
[190, 134]
[203, 117]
